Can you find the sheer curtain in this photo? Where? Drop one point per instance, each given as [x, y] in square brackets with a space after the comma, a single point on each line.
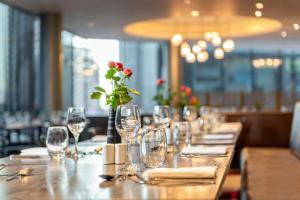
[23, 82]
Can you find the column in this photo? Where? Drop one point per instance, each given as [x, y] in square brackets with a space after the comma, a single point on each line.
[52, 60]
[175, 68]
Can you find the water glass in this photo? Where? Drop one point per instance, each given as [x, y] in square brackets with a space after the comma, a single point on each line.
[57, 141]
[153, 147]
[162, 115]
[190, 113]
[182, 134]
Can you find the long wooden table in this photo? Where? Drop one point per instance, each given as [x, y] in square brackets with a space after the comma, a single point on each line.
[69, 179]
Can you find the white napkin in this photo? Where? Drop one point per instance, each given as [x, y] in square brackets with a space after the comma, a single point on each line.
[227, 128]
[35, 151]
[184, 172]
[203, 150]
[218, 136]
[218, 142]
[99, 138]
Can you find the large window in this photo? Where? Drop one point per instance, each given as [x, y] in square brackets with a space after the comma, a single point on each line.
[85, 65]
[236, 82]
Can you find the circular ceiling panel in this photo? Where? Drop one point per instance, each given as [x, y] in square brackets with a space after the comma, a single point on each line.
[194, 28]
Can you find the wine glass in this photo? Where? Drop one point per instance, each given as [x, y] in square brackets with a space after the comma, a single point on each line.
[162, 115]
[182, 133]
[190, 113]
[76, 123]
[128, 121]
[153, 147]
[57, 141]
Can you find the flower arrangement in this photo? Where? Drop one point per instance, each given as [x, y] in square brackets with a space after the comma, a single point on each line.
[120, 91]
[179, 99]
[184, 98]
[164, 95]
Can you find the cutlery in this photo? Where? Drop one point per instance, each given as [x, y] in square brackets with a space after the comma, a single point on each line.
[22, 172]
[2, 167]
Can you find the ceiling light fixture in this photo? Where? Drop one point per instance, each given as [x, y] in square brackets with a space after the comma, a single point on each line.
[202, 56]
[296, 26]
[190, 58]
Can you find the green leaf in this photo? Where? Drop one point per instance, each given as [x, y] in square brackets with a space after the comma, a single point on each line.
[96, 95]
[110, 73]
[116, 78]
[133, 91]
[100, 89]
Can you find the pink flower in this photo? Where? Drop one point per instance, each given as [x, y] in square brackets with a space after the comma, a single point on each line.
[111, 64]
[119, 66]
[127, 72]
[160, 81]
[182, 88]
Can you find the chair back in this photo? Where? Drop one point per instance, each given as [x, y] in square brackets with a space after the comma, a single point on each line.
[295, 131]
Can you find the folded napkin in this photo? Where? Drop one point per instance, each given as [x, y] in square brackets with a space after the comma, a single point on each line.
[184, 172]
[217, 142]
[203, 150]
[99, 138]
[227, 128]
[218, 136]
[35, 151]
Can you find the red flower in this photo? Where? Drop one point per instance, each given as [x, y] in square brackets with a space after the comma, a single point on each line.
[160, 81]
[111, 64]
[194, 101]
[188, 91]
[182, 88]
[119, 66]
[127, 72]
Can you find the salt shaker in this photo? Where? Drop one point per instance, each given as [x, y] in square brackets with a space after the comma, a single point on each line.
[120, 153]
[108, 153]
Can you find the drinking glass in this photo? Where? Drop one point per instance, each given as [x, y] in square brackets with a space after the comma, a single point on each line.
[182, 133]
[162, 115]
[127, 121]
[190, 113]
[153, 147]
[57, 141]
[76, 122]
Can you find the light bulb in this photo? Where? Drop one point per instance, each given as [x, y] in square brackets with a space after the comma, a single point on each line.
[176, 39]
[219, 53]
[190, 58]
[259, 5]
[228, 45]
[258, 13]
[296, 26]
[277, 62]
[185, 49]
[202, 56]
[216, 41]
[269, 62]
[202, 44]
[283, 34]
[256, 63]
[196, 49]
[208, 36]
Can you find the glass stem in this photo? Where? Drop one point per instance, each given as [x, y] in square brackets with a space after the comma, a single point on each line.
[76, 145]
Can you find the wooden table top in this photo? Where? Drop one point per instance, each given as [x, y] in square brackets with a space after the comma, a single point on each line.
[69, 179]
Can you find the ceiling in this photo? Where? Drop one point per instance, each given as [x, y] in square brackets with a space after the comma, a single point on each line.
[107, 18]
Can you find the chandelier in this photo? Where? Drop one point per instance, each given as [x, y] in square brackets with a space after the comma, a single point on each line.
[198, 51]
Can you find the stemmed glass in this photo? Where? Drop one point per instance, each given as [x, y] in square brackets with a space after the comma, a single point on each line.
[76, 121]
[162, 115]
[190, 113]
[128, 122]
